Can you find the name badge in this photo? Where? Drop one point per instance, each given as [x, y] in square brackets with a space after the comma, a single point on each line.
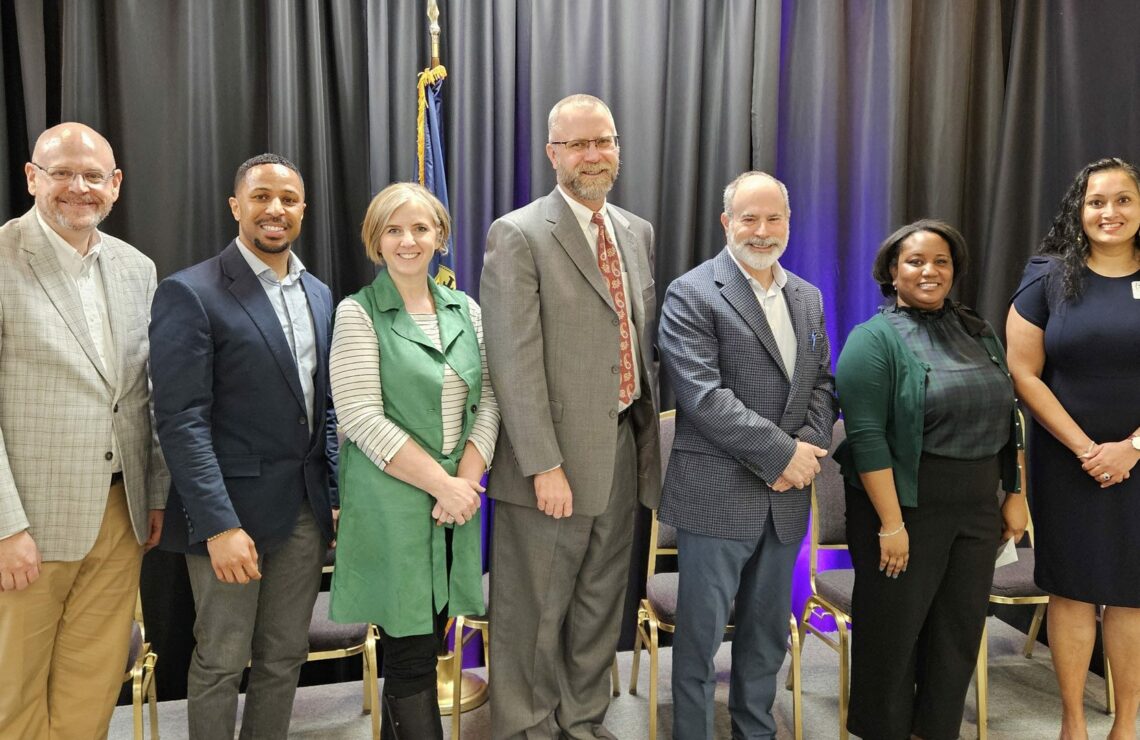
[1136, 289]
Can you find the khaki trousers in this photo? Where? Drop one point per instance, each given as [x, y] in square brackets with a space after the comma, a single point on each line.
[64, 639]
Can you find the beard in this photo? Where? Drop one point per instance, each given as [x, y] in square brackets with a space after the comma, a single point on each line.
[54, 213]
[271, 250]
[588, 188]
[758, 260]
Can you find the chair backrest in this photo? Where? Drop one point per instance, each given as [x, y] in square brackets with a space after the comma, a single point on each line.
[828, 505]
[663, 537]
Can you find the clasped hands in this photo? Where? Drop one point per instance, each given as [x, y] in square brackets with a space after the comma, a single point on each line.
[1112, 459]
[801, 469]
[456, 500]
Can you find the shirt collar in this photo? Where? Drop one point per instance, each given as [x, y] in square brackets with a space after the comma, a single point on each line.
[69, 259]
[582, 212]
[779, 277]
[260, 268]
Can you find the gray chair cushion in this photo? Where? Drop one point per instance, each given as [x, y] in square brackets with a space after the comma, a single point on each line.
[325, 634]
[665, 443]
[666, 535]
[836, 586]
[1016, 579]
[136, 646]
[661, 592]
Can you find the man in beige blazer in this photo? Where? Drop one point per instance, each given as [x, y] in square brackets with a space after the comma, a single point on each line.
[569, 339]
[82, 481]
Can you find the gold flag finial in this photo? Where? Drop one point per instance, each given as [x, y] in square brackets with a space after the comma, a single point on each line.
[433, 16]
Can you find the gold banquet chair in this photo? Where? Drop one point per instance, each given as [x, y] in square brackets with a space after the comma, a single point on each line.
[657, 611]
[140, 674]
[329, 640]
[830, 589]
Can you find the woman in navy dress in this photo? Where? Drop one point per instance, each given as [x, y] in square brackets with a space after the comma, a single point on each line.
[1074, 353]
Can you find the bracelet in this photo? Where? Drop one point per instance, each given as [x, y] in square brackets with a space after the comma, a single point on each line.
[891, 534]
[1084, 455]
[219, 534]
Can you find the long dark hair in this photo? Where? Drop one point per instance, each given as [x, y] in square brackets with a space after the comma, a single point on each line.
[1066, 239]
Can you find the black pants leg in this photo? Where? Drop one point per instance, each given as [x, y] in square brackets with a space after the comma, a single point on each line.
[916, 637]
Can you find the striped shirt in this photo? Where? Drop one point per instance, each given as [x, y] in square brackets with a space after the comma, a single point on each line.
[354, 370]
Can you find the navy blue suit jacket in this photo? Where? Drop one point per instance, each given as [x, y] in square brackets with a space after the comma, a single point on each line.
[230, 410]
[739, 413]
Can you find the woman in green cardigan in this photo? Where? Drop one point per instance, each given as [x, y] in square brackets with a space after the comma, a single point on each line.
[931, 429]
[415, 404]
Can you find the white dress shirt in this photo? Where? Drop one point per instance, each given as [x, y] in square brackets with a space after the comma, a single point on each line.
[590, 231]
[86, 277]
[292, 308]
[774, 305]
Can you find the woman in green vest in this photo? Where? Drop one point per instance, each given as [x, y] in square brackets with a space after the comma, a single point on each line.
[419, 419]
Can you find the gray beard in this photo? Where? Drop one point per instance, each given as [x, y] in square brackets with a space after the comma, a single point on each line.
[752, 259]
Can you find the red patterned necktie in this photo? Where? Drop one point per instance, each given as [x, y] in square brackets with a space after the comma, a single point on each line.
[610, 266]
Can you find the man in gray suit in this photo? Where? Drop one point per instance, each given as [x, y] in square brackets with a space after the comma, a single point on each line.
[569, 328]
[744, 345]
[82, 482]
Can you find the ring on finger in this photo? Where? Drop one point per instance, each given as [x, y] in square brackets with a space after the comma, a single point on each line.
[1105, 476]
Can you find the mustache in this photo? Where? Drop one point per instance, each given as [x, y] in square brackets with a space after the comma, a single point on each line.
[757, 241]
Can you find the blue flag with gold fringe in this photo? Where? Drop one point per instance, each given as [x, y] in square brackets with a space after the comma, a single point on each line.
[429, 157]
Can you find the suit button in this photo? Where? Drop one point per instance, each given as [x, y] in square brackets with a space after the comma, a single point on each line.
[613, 413]
[109, 456]
[615, 321]
[301, 420]
[614, 369]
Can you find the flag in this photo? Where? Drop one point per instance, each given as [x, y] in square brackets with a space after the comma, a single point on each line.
[429, 157]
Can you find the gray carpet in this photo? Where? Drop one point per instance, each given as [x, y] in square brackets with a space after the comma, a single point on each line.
[1022, 700]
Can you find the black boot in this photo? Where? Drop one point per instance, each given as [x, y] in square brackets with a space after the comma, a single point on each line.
[414, 717]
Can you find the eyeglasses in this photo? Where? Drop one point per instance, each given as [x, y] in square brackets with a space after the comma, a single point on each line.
[580, 146]
[94, 178]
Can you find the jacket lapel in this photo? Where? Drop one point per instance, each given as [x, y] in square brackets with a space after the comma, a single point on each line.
[569, 236]
[246, 289]
[42, 260]
[737, 291]
[626, 240]
[805, 349]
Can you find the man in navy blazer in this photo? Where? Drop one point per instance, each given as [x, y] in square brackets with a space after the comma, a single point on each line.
[744, 345]
[239, 360]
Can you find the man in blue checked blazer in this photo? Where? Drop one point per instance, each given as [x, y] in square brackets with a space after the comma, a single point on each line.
[744, 345]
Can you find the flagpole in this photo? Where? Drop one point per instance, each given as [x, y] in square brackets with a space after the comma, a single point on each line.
[433, 28]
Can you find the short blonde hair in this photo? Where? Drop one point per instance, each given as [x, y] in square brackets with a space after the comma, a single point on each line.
[386, 202]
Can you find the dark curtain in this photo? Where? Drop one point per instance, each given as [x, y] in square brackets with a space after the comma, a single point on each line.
[874, 113]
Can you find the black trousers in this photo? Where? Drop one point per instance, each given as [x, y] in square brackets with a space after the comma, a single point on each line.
[916, 637]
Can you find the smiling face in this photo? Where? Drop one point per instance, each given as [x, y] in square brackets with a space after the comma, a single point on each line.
[924, 271]
[757, 230]
[1110, 215]
[73, 208]
[409, 240]
[590, 174]
[269, 205]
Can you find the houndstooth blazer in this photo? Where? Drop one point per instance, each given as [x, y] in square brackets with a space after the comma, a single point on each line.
[57, 406]
[738, 412]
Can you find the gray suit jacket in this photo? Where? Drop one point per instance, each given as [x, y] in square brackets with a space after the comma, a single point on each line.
[551, 333]
[57, 404]
[738, 412]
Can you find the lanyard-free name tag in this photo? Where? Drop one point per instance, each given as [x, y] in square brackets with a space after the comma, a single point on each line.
[1136, 289]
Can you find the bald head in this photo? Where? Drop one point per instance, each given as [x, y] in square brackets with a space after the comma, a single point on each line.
[74, 180]
[73, 138]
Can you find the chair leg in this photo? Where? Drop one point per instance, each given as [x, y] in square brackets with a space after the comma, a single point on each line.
[652, 680]
[457, 678]
[1109, 690]
[801, 628]
[636, 664]
[796, 678]
[371, 684]
[1034, 628]
[615, 680]
[982, 684]
[844, 676]
[486, 631]
[137, 700]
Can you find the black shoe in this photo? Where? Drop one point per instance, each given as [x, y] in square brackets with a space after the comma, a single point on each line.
[414, 717]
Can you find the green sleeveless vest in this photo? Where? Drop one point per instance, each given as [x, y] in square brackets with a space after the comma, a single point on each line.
[391, 562]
